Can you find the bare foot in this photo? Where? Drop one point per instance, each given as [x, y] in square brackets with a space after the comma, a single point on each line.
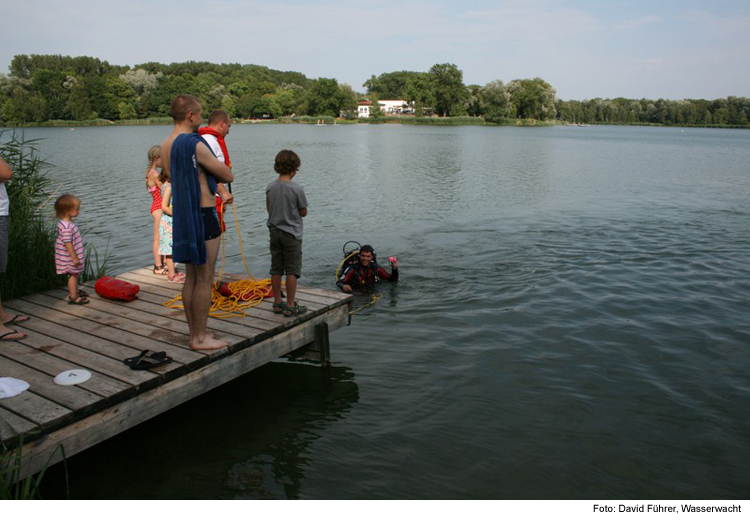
[7, 334]
[207, 343]
[16, 319]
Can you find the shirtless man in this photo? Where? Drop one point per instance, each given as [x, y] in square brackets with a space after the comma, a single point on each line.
[196, 292]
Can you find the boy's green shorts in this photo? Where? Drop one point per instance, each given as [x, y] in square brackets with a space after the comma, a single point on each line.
[286, 253]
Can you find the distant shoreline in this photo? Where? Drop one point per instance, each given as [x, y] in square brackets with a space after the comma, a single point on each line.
[330, 121]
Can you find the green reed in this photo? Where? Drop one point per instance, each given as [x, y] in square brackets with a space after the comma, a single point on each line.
[13, 485]
[31, 236]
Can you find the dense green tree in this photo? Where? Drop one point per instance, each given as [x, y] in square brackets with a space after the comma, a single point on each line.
[50, 85]
[494, 101]
[285, 101]
[25, 107]
[325, 98]
[532, 99]
[105, 95]
[473, 103]
[79, 105]
[420, 91]
[228, 105]
[24, 66]
[42, 87]
[349, 101]
[390, 85]
[126, 110]
[451, 95]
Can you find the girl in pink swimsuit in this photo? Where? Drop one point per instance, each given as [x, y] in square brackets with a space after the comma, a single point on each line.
[153, 185]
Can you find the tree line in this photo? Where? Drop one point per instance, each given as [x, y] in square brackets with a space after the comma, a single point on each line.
[43, 88]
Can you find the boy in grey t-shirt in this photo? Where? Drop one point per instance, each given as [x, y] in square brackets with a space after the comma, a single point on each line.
[286, 204]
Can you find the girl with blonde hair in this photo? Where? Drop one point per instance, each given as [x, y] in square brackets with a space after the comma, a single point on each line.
[153, 185]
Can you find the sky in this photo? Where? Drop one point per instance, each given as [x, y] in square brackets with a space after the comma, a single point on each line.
[671, 49]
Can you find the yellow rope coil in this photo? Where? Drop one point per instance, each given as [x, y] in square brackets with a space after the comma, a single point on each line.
[245, 293]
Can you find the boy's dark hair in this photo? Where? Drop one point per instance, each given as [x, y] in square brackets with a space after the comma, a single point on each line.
[367, 248]
[286, 162]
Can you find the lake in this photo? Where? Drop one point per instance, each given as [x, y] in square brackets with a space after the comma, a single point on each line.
[571, 321]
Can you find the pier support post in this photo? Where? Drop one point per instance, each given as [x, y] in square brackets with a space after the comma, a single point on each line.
[323, 344]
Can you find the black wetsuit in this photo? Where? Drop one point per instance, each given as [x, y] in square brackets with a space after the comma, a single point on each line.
[359, 276]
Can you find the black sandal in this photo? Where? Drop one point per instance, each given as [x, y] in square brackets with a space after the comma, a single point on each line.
[80, 299]
[160, 270]
[147, 360]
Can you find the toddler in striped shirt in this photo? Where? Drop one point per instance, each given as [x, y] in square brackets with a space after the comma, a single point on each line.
[69, 257]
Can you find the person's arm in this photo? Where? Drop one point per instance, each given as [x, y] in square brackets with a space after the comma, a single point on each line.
[6, 173]
[226, 196]
[302, 204]
[392, 276]
[72, 253]
[347, 278]
[166, 195]
[208, 161]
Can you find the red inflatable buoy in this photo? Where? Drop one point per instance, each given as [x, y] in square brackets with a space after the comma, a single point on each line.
[116, 289]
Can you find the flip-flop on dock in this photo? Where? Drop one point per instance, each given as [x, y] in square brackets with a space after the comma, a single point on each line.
[99, 336]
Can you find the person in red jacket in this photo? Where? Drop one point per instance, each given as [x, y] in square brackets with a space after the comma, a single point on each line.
[366, 272]
[215, 133]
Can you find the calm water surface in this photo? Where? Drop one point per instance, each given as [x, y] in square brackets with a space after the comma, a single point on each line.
[571, 322]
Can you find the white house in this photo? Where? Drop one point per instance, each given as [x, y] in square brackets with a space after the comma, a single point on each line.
[388, 106]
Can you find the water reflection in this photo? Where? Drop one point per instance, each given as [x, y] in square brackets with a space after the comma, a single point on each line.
[250, 438]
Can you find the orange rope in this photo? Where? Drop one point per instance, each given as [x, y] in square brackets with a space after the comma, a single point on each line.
[245, 293]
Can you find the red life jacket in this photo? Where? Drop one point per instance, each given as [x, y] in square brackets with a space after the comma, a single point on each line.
[223, 146]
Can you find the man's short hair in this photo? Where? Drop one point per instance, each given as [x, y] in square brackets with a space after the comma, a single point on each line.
[286, 162]
[217, 116]
[181, 105]
[367, 248]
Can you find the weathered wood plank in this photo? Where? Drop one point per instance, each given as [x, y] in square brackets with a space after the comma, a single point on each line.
[74, 397]
[85, 350]
[144, 310]
[51, 365]
[35, 408]
[12, 426]
[153, 331]
[92, 430]
[95, 361]
[150, 314]
[98, 336]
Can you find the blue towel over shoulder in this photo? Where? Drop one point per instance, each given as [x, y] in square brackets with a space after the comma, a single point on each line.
[188, 244]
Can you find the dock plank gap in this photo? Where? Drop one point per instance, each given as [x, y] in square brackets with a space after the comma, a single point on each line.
[97, 337]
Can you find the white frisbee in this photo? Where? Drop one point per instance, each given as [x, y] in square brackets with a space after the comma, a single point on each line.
[72, 377]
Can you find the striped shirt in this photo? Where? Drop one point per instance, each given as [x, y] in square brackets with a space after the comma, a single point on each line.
[68, 232]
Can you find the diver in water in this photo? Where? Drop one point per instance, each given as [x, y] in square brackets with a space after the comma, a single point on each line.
[365, 272]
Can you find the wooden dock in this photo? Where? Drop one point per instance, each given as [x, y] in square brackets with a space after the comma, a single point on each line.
[97, 337]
